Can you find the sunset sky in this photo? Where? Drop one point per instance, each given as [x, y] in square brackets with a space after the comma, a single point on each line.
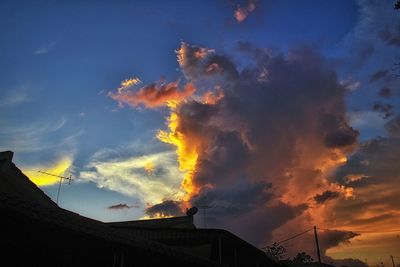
[279, 115]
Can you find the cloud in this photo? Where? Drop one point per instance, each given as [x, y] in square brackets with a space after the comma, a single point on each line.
[385, 110]
[393, 126]
[343, 137]
[266, 146]
[46, 48]
[167, 208]
[326, 195]
[391, 35]
[14, 98]
[60, 167]
[376, 206]
[196, 61]
[128, 175]
[122, 206]
[350, 84]
[153, 95]
[379, 75]
[37, 136]
[241, 13]
[385, 92]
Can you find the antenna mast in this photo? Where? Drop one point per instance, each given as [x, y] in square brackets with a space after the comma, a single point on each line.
[204, 213]
[69, 178]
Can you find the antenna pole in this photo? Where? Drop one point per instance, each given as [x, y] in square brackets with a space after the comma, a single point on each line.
[59, 184]
[316, 243]
[204, 213]
[204, 217]
[59, 188]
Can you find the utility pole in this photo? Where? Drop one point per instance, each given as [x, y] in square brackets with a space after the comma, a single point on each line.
[392, 260]
[69, 178]
[316, 242]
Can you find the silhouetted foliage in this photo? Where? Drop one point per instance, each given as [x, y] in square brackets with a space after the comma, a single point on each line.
[397, 5]
[301, 258]
[277, 253]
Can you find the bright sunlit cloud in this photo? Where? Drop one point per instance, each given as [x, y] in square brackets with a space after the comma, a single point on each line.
[60, 167]
[152, 178]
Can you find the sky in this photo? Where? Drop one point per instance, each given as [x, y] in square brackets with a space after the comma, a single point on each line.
[277, 115]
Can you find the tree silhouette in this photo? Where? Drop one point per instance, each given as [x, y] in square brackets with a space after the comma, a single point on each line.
[276, 252]
[301, 258]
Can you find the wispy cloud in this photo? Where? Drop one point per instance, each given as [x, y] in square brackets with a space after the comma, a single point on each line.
[13, 98]
[129, 175]
[29, 137]
[45, 48]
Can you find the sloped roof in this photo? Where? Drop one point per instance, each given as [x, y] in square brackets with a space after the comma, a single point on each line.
[182, 222]
[15, 182]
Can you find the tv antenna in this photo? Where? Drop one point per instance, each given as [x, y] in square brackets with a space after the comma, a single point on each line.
[205, 207]
[69, 178]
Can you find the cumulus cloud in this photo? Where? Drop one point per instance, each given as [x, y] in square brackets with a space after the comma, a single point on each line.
[266, 146]
[376, 207]
[153, 95]
[167, 208]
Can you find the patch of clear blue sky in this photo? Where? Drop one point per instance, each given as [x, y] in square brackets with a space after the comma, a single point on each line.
[67, 52]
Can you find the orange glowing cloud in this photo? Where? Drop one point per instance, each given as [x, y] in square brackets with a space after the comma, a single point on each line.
[249, 148]
[241, 13]
[212, 98]
[187, 151]
[154, 95]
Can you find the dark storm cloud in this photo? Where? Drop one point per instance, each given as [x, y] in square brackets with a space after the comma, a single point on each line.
[166, 208]
[379, 75]
[327, 239]
[391, 35]
[327, 195]
[273, 111]
[373, 219]
[393, 126]
[362, 53]
[332, 238]
[385, 110]
[385, 92]
[378, 159]
[343, 137]
[345, 262]
[121, 206]
[235, 198]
